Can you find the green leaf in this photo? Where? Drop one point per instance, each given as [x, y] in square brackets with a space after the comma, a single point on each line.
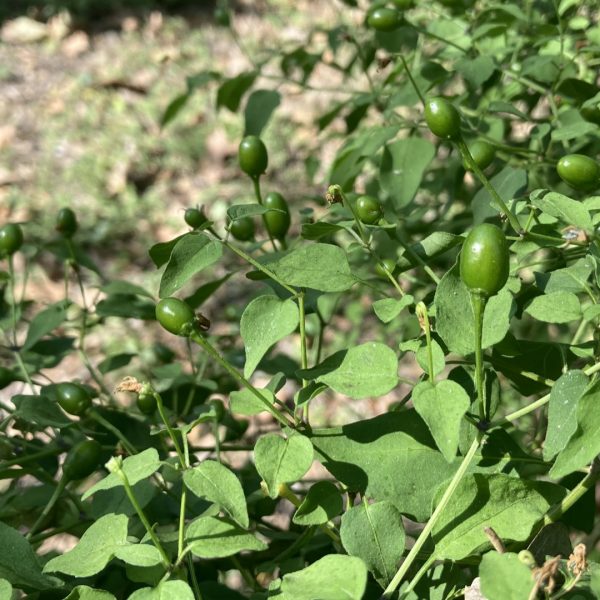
[160, 253]
[476, 71]
[94, 550]
[442, 406]
[584, 444]
[315, 231]
[174, 107]
[46, 321]
[562, 411]
[84, 592]
[569, 279]
[244, 402]
[322, 267]
[216, 483]
[364, 371]
[126, 307]
[306, 394]
[454, 315]
[573, 131]
[402, 167]
[139, 555]
[558, 307]
[499, 106]
[18, 563]
[509, 184]
[6, 590]
[362, 455]
[166, 590]
[259, 108]
[429, 248]
[125, 288]
[510, 506]
[333, 577]
[114, 362]
[422, 356]
[281, 460]
[40, 411]
[216, 537]
[137, 467]
[563, 208]
[375, 533]
[322, 502]
[231, 91]
[191, 254]
[388, 309]
[266, 321]
[505, 577]
[240, 211]
[351, 158]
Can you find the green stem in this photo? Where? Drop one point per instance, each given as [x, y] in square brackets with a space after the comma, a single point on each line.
[478, 302]
[513, 416]
[192, 571]
[213, 352]
[180, 536]
[257, 193]
[170, 431]
[141, 514]
[491, 190]
[258, 266]
[55, 496]
[217, 437]
[413, 82]
[588, 482]
[426, 326]
[303, 354]
[415, 580]
[116, 432]
[414, 551]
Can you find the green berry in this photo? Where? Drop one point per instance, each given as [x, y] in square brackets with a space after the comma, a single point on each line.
[442, 118]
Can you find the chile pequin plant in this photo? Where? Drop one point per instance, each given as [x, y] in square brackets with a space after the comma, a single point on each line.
[385, 387]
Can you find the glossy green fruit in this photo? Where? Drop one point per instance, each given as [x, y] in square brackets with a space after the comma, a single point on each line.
[82, 460]
[253, 156]
[277, 222]
[11, 239]
[442, 118]
[66, 222]
[484, 260]
[146, 402]
[73, 398]
[389, 263]
[175, 316]
[579, 171]
[194, 217]
[483, 154]
[384, 19]
[369, 209]
[242, 229]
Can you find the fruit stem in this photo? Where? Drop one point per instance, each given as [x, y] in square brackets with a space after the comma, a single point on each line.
[478, 302]
[257, 193]
[423, 317]
[491, 190]
[161, 411]
[413, 82]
